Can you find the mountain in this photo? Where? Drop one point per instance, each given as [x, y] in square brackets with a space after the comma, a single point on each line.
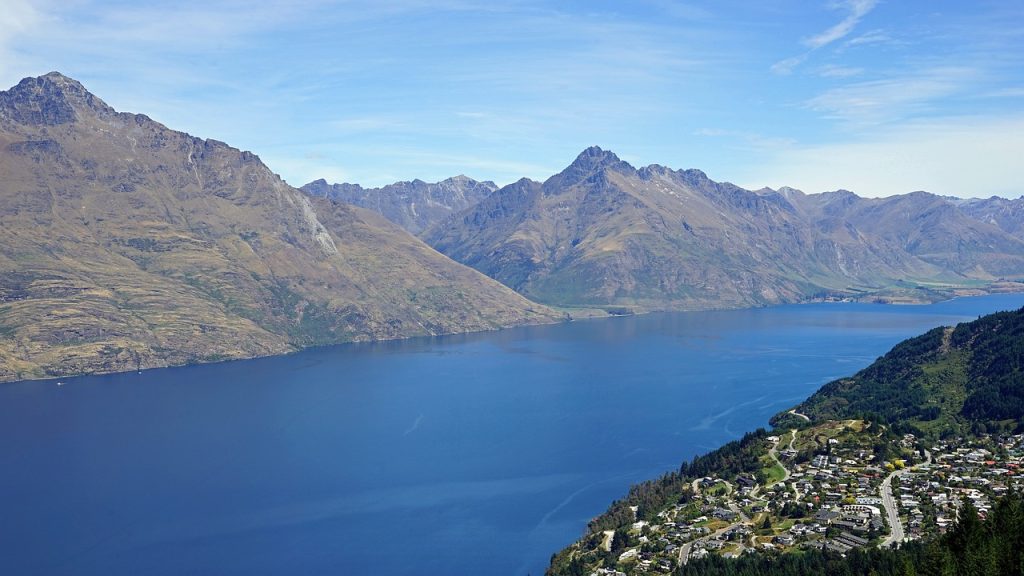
[1008, 215]
[415, 206]
[948, 380]
[603, 233]
[931, 228]
[128, 245]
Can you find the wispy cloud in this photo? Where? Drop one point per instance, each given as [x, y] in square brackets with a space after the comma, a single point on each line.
[871, 37]
[834, 71]
[878, 101]
[789, 64]
[856, 10]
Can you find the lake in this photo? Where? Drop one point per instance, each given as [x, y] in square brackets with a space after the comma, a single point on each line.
[460, 455]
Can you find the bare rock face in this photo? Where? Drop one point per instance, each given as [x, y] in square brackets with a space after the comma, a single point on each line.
[416, 205]
[1007, 214]
[125, 245]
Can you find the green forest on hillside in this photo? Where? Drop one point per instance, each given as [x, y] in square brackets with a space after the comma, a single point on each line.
[947, 381]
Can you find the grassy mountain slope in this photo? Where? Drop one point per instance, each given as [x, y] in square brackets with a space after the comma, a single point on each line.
[129, 245]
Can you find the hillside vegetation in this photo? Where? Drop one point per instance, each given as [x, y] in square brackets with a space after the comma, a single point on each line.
[947, 381]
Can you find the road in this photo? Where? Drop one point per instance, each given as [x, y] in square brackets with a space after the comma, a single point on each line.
[795, 413]
[684, 550]
[773, 452]
[896, 534]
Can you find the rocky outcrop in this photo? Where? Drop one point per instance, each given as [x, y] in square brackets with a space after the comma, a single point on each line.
[415, 206]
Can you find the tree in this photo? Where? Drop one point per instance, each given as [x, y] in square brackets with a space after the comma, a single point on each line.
[620, 541]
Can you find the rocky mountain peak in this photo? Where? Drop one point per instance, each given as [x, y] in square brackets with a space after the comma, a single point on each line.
[590, 162]
[654, 170]
[593, 158]
[788, 192]
[49, 100]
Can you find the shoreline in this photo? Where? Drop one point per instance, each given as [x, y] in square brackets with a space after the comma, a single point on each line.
[564, 310]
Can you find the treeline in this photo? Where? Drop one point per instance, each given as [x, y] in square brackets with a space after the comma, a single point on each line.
[993, 547]
[735, 458]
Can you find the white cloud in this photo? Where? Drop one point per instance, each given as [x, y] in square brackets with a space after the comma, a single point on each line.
[785, 67]
[885, 100]
[957, 156]
[870, 37]
[858, 9]
[834, 71]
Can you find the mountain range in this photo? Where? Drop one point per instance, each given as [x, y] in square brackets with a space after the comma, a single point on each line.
[602, 233]
[128, 245]
[416, 205]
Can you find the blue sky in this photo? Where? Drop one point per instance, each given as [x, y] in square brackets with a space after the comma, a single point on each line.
[879, 97]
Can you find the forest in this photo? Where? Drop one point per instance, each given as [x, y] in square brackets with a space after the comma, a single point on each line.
[944, 382]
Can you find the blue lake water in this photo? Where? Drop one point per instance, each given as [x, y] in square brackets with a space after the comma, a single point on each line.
[463, 455]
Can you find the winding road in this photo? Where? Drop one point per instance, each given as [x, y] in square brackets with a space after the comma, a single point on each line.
[684, 550]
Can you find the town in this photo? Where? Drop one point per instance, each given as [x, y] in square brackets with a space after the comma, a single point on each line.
[825, 487]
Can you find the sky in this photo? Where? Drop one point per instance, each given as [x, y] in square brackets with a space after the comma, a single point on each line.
[878, 97]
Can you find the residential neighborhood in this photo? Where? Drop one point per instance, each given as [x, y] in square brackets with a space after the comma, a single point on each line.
[823, 487]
